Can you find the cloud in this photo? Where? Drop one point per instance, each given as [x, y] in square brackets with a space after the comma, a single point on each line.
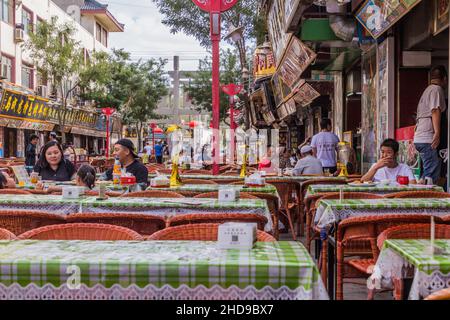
[146, 37]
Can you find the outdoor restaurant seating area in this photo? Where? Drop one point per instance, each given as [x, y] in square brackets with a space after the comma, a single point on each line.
[315, 236]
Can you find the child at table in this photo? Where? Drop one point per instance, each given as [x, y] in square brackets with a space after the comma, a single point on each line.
[6, 182]
[85, 177]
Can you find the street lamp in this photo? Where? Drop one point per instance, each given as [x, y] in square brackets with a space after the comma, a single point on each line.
[108, 112]
[231, 90]
[215, 7]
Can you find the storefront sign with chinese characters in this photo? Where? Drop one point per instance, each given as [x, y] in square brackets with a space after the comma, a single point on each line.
[377, 16]
[275, 24]
[263, 64]
[295, 61]
[15, 104]
[290, 8]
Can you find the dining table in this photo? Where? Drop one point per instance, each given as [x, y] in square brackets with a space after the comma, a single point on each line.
[194, 189]
[165, 207]
[156, 270]
[401, 258]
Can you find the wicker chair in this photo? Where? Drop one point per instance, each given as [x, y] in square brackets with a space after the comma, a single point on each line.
[199, 172]
[198, 181]
[418, 194]
[233, 173]
[144, 224]
[352, 232]
[14, 191]
[411, 231]
[82, 231]
[152, 194]
[217, 218]
[199, 232]
[6, 235]
[303, 189]
[215, 195]
[20, 221]
[443, 294]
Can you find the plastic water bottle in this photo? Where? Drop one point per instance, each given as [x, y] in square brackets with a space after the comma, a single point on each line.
[117, 170]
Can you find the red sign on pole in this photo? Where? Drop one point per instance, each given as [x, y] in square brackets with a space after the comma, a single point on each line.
[213, 5]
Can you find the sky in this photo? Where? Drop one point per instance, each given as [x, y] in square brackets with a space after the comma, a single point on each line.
[146, 37]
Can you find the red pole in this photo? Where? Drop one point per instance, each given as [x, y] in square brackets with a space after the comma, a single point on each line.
[107, 137]
[153, 141]
[233, 128]
[215, 101]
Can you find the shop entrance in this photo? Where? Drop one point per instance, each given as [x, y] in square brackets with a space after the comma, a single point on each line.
[10, 142]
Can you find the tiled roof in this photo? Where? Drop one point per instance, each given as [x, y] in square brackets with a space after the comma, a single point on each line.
[93, 5]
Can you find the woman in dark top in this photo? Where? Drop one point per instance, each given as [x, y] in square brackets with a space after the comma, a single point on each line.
[52, 165]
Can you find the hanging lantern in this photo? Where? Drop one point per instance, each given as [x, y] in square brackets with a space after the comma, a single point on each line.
[193, 124]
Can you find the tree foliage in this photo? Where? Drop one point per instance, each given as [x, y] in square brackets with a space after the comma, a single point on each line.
[184, 16]
[200, 86]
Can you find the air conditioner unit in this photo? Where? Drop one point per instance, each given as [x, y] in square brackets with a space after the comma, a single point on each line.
[18, 35]
[4, 71]
[42, 91]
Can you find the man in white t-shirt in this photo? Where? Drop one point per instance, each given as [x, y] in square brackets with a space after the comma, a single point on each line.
[324, 146]
[387, 168]
[428, 127]
[148, 149]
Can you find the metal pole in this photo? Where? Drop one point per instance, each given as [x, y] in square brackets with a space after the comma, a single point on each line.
[215, 101]
[233, 128]
[107, 137]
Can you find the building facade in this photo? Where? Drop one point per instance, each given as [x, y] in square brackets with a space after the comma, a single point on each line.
[22, 85]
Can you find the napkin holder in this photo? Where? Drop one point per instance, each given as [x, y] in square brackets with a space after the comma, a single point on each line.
[71, 192]
[255, 181]
[228, 195]
[233, 235]
[159, 183]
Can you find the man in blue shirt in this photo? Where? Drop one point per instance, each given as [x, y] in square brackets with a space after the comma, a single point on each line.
[159, 152]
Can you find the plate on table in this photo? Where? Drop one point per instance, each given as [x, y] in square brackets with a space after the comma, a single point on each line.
[365, 184]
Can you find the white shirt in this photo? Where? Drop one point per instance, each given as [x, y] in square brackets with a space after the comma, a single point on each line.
[308, 165]
[392, 173]
[326, 143]
[148, 150]
[432, 98]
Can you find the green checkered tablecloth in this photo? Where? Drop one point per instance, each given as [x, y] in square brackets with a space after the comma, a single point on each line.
[324, 188]
[332, 211]
[270, 189]
[156, 270]
[268, 178]
[431, 272]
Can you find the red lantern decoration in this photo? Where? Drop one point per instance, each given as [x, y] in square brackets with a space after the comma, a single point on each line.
[193, 124]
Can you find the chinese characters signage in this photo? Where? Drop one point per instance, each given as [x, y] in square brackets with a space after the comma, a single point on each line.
[263, 64]
[275, 24]
[379, 15]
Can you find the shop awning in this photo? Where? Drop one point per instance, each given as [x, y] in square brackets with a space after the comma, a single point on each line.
[88, 132]
[38, 126]
[317, 29]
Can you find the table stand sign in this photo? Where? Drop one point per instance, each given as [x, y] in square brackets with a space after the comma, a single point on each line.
[22, 176]
[233, 235]
[71, 192]
[228, 195]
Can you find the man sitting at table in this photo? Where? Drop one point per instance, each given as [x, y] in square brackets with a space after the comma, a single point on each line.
[387, 168]
[308, 164]
[124, 150]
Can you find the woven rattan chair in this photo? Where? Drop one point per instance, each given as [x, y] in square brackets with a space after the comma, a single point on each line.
[199, 172]
[20, 221]
[6, 235]
[198, 181]
[417, 194]
[352, 233]
[411, 231]
[217, 218]
[303, 189]
[443, 294]
[215, 195]
[152, 194]
[199, 232]
[233, 173]
[82, 231]
[314, 233]
[144, 224]
[14, 191]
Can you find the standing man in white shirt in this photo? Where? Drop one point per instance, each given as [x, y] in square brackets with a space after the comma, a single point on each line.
[387, 168]
[324, 146]
[428, 130]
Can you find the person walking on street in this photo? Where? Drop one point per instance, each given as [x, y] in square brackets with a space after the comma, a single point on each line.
[30, 153]
[427, 131]
[324, 146]
[159, 152]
